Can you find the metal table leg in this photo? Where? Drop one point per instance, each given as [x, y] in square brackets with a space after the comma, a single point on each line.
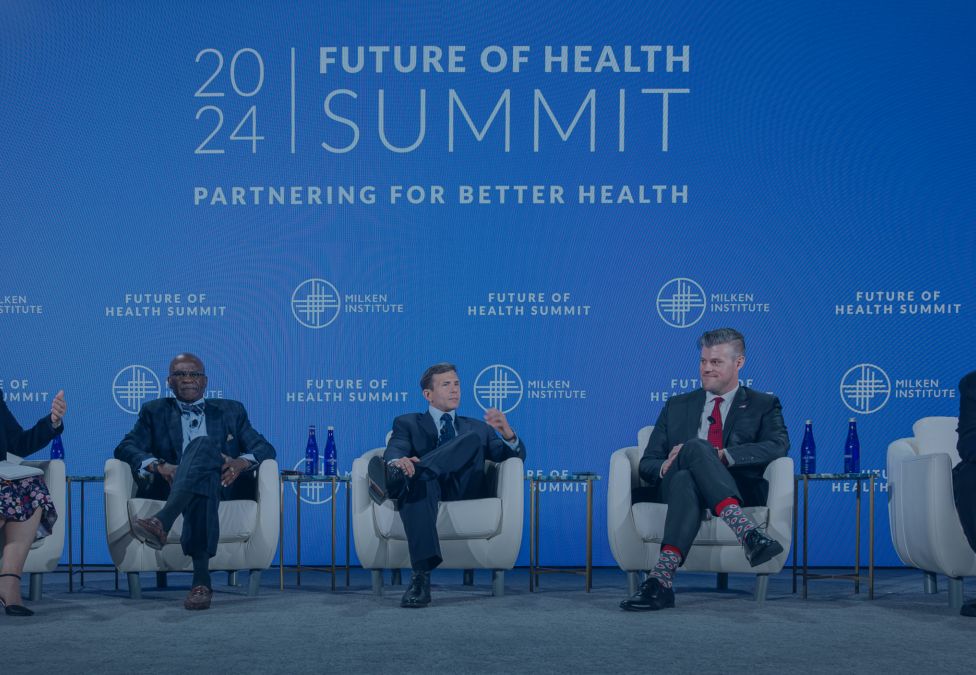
[796, 543]
[857, 538]
[871, 540]
[281, 535]
[333, 572]
[806, 503]
[589, 534]
[71, 539]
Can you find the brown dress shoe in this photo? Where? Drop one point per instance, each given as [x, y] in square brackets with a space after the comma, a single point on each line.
[150, 530]
[198, 598]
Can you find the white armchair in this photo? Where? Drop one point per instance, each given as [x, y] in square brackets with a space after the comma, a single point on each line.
[925, 526]
[474, 533]
[635, 530]
[248, 529]
[45, 554]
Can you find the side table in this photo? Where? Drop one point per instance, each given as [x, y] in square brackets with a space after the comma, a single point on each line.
[855, 576]
[534, 568]
[298, 480]
[82, 568]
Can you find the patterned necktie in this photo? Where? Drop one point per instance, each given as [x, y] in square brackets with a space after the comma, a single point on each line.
[191, 408]
[447, 429]
[715, 426]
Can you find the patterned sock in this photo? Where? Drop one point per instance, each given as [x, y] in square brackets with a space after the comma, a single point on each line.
[201, 571]
[730, 511]
[667, 565]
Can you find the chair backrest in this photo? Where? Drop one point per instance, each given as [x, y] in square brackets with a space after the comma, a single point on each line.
[935, 435]
[643, 436]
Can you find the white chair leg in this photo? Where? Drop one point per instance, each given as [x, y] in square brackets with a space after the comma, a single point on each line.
[254, 582]
[376, 576]
[762, 585]
[36, 584]
[135, 588]
[468, 578]
[232, 578]
[497, 582]
[955, 592]
[930, 582]
[396, 577]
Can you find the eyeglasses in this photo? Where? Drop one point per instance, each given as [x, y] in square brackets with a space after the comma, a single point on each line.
[192, 374]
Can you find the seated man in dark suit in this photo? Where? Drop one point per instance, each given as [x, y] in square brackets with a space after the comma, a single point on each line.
[437, 456]
[192, 453]
[708, 450]
[964, 473]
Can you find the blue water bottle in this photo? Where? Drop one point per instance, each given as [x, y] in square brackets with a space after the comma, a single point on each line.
[311, 453]
[852, 449]
[57, 448]
[331, 464]
[808, 451]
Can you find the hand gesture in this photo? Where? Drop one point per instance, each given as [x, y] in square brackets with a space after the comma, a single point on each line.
[496, 418]
[167, 471]
[58, 406]
[406, 465]
[673, 455]
[233, 467]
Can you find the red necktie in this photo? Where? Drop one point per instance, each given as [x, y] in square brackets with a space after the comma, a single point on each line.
[715, 427]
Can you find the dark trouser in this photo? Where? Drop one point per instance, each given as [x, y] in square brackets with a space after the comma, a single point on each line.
[697, 480]
[964, 492]
[452, 472]
[198, 474]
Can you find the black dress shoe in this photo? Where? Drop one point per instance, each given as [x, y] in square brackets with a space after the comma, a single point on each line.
[386, 481]
[760, 548]
[418, 593]
[14, 610]
[653, 595]
[969, 609]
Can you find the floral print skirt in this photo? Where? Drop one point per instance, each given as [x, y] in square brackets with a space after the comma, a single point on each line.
[19, 499]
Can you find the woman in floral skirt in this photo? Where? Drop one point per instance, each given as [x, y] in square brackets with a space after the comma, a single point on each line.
[27, 511]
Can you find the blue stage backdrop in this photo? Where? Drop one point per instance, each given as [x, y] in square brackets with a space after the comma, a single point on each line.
[323, 198]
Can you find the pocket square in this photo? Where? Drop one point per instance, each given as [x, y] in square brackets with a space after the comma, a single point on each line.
[230, 437]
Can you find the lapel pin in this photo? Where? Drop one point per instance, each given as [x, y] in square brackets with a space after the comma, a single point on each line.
[230, 437]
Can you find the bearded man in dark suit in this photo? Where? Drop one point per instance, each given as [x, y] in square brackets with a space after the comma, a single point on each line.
[435, 456]
[708, 450]
[192, 452]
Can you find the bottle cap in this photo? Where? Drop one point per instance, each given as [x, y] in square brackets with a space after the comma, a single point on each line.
[809, 421]
[311, 428]
[330, 428]
[853, 419]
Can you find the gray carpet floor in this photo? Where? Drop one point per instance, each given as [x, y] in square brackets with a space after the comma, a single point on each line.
[558, 629]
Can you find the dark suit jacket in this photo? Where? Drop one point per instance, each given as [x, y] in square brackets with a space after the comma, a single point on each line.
[753, 434]
[22, 443]
[159, 433]
[967, 418]
[414, 435]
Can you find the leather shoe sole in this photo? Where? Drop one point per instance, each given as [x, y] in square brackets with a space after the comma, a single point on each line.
[150, 531]
[766, 550]
[385, 481]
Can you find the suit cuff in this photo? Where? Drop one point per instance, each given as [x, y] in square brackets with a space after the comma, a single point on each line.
[727, 458]
[250, 458]
[143, 472]
[513, 444]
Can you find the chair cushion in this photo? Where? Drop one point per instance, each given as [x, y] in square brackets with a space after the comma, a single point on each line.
[238, 518]
[649, 519]
[466, 519]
